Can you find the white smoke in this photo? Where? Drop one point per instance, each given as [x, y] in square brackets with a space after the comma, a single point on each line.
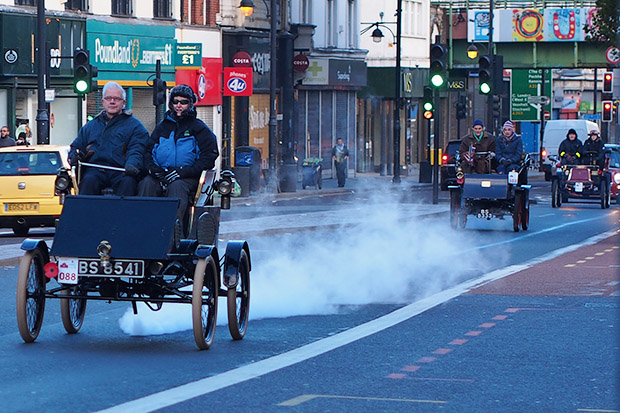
[392, 256]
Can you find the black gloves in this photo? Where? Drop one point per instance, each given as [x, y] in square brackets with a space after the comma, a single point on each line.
[172, 175]
[77, 156]
[504, 161]
[131, 170]
[167, 176]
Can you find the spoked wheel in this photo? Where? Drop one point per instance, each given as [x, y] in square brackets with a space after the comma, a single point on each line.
[517, 212]
[30, 295]
[462, 220]
[604, 195]
[238, 300]
[455, 208]
[525, 214]
[204, 302]
[556, 200]
[72, 311]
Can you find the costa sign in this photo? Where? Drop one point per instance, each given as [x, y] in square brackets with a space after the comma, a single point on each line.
[300, 63]
[241, 59]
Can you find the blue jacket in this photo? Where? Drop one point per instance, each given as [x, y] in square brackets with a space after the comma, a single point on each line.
[511, 150]
[118, 142]
[185, 143]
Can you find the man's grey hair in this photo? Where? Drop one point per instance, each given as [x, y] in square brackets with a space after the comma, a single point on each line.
[110, 85]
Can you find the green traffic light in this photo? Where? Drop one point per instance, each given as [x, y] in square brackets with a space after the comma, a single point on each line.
[485, 88]
[428, 106]
[81, 86]
[437, 80]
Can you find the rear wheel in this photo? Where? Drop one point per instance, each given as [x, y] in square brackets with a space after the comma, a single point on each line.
[455, 208]
[204, 302]
[555, 194]
[517, 212]
[525, 216]
[30, 295]
[238, 300]
[462, 220]
[72, 311]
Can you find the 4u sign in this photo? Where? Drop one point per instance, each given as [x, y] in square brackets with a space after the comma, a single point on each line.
[237, 81]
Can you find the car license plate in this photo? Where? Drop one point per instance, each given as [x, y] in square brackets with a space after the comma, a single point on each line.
[69, 269]
[578, 186]
[28, 206]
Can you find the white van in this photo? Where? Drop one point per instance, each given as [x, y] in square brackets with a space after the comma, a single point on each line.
[555, 133]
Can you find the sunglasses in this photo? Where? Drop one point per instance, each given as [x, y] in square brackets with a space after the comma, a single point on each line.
[181, 101]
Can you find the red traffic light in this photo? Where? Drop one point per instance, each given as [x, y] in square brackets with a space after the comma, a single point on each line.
[608, 80]
[607, 111]
[428, 114]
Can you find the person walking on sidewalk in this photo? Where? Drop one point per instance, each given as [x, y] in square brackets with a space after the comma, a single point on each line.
[340, 153]
[181, 147]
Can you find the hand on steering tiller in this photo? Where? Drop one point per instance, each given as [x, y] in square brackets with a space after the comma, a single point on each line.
[172, 175]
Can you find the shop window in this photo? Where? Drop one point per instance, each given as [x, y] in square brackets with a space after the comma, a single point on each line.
[26, 2]
[162, 9]
[122, 7]
[76, 5]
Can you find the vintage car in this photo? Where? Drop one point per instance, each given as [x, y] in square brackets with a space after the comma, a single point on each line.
[132, 249]
[612, 155]
[27, 175]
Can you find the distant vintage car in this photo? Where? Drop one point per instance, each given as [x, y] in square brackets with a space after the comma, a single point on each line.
[27, 175]
[612, 154]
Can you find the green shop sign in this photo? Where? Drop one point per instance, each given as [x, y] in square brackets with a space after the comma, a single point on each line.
[128, 53]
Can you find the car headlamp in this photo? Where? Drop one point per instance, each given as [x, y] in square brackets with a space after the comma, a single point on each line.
[617, 177]
[224, 187]
[62, 183]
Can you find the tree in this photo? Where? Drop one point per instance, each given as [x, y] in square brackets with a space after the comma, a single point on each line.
[605, 23]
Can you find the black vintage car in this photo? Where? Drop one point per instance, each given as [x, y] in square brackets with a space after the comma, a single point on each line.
[448, 164]
[133, 249]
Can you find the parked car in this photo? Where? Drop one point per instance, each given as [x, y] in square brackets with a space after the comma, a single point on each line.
[612, 154]
[448, 160]
[27, 175]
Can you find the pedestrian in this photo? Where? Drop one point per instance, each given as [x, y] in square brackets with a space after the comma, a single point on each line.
[472, 147]
[180, 148]
[570, 149]
[21, 139]
[340, 154]
[509, 149]
[593, 149]
[5, 137]
[113, 138]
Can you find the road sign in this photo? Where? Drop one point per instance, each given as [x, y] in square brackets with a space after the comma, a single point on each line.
[612, 55]
[527, 94]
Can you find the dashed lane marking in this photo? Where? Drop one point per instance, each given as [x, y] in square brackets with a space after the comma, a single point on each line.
[307, 397]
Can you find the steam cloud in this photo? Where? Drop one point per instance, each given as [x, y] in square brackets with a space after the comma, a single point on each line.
[391, 257]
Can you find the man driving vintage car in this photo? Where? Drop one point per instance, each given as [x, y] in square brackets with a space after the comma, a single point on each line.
[570, 149]
[477, 149]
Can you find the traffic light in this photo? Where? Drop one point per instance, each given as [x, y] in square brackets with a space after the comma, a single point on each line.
[461, 107]
[484, 74]
[159, 92]
[498, 74]
[438, 65]
[496, 106]
[608, 81]
[607, 111]
[83, 72]
[428, 105]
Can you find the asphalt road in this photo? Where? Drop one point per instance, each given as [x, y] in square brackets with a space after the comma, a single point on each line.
[392, 315]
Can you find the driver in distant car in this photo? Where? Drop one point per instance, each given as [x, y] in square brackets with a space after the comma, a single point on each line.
[570, 149]
[474, 143]
[593, 149]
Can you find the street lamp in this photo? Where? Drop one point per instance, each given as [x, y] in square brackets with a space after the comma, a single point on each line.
[377, 35]
[247, 7]
[472, 51]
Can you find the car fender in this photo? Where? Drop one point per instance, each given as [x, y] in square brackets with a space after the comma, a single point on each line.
[231, 261]
[203, 251]
[30, 244]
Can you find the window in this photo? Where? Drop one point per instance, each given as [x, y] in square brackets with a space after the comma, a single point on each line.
[26, 2]
[81, 5]
[352, 35]
[122, 7]
[331, 23]
[162, 9]
[305, 11]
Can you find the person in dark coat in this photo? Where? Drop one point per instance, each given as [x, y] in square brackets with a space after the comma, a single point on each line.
[593, 149]
[570, 149]
[474, 143]
[5, 137]
[113, 138]
[340, 153]
[509, 148]
[180, 148]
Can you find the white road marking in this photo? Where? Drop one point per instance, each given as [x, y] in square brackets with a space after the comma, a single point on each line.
[208, 385]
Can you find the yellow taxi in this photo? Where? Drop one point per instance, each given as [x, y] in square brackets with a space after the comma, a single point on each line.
[27, 175]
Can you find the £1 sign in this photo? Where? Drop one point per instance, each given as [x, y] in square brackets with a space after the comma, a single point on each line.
[237, 81]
